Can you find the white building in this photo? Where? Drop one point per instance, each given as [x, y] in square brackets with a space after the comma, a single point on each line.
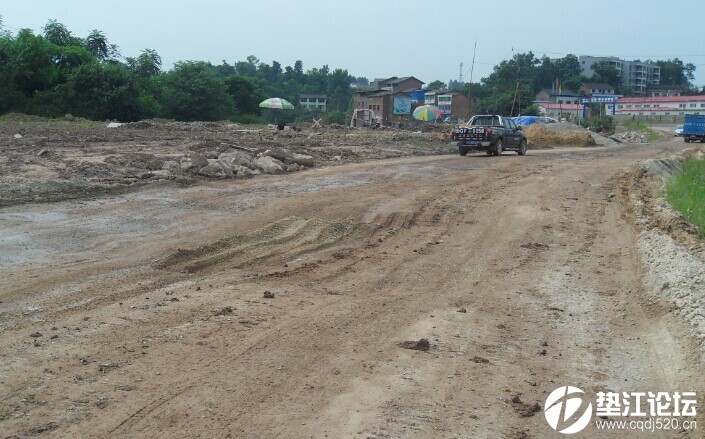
[635, 74]
[658, 106]
[313, 102]
[557, 111]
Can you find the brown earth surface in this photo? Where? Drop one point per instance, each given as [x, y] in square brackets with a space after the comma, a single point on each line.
[281, 306]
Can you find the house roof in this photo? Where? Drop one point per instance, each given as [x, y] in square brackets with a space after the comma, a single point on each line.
[311, 96]
[382, 93]
[394, 80]
[551, 92]
[597, 85]
[561, 106]
[660, 99]
[626, 110]
[664, 87]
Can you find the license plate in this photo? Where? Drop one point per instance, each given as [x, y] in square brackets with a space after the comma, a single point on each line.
[471, 142]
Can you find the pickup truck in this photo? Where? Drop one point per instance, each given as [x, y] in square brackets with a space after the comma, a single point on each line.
[694, 128]
[491, 133]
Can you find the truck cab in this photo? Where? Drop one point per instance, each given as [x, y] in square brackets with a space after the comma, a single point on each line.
[492, 133]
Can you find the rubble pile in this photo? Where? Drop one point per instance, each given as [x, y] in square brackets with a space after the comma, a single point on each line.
[630, 137]
[239, 163]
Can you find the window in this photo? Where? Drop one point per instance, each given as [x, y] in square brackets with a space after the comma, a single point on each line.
[693, 105]
[681, 106]
[702, 105]
[620, 106]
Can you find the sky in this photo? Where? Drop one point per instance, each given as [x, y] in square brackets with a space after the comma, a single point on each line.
[384, 38]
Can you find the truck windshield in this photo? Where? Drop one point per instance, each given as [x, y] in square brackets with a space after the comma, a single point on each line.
[485, 121]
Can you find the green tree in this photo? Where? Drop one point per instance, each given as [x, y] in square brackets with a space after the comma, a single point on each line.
[674, 72]
[246, 93]
[34, 62]
[192, 91]
[57, 33]
[604, 71]
[97, 44]
[149, 63]
[531, 110]
[108, 91]
[436, 85]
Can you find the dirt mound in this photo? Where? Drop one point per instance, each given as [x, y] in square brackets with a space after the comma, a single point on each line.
[540, 136]
[21, 117]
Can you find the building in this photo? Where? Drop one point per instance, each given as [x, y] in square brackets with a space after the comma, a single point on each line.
[313, 102]
[395, 83]
[658, 106]
[558, 111]
[664, 90]
[452, 103]
[549, 96]
[597, 90]
[391, 106]
[635, 74]
[390, 98]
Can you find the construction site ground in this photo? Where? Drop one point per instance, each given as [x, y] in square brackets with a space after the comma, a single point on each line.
[279, 305]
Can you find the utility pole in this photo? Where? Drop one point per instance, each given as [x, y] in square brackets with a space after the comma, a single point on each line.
[460, 78]
[472, 69]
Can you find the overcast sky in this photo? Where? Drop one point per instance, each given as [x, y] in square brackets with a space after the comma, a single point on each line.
[425, 39]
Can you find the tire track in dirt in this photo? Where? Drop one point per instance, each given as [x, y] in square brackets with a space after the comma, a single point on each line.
[288, 237]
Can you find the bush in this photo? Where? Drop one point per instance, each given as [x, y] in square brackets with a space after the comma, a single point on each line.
[248, 119]
[686, 193]
[335, 117]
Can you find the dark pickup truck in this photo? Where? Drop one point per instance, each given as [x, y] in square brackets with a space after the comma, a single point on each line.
[493, 134]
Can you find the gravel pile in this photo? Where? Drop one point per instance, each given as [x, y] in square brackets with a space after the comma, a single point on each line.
[676, 276]
[630, 137]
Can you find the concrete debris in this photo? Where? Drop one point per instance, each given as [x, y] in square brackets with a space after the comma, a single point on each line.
[115, 125]
[630, 137]
[268, 165]
[665, 168]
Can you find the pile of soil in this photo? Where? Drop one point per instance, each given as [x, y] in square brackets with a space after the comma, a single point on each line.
[539, 135]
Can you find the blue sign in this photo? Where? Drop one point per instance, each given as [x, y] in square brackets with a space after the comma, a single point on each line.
[600, 100]
[402, 105]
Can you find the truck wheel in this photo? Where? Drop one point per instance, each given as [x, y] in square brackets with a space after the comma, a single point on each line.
[498, 148]
[522, 148]
[463, 150]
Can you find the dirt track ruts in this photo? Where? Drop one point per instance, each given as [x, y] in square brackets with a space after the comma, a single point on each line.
[153, 323]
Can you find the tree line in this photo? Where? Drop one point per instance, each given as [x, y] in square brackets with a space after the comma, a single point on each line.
[55, 72]
[514, 83]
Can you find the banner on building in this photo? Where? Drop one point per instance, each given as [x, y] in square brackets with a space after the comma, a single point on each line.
[402, 105]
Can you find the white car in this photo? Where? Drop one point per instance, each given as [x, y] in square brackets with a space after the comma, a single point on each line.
[678, 132]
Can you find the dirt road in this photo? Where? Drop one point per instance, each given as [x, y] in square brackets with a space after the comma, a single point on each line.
[144, 315]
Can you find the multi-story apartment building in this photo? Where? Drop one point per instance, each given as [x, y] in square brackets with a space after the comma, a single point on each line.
[635, 74]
